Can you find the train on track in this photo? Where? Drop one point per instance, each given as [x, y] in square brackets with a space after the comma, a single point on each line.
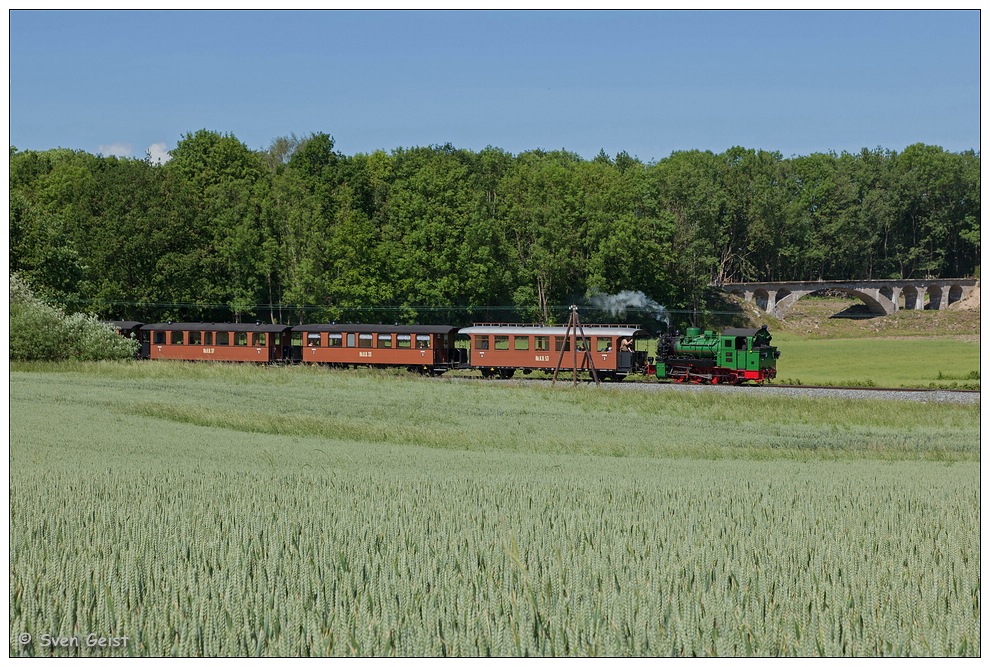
[612, 351]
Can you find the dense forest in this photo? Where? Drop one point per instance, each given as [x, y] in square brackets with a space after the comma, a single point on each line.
[301, 232]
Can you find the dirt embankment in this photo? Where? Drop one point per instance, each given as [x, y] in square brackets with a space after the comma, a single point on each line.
[971, 302]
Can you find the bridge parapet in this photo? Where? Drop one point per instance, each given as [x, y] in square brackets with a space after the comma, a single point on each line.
[883, 297]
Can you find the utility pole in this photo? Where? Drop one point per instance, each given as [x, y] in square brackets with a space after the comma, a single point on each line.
[573, 325]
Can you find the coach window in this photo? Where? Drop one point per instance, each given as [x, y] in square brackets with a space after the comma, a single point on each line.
[403, 341]
[482, 342]
[350, 340]
[542, 343]
[422, 341]
[604, 345]
[159, 338]
[277, 340]
[297, 339]
[207, 338]
[313, 340]
[335, 340]
[501, 342]
[177, 337]
[195, 337]
[259, 339]
[223, 338]
[241, 338]
[520, 342]
[385, 340]
[561, 343]
[365, 340]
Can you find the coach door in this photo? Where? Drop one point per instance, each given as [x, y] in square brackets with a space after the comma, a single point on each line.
[145, 344]
[276, 341]
[443, 348]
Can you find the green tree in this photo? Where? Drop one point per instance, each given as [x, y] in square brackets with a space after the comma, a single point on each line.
[432, 200]
[940, 210]
[628, 240]
[218, 179]
[40, 331]
[824, 208]
[752, 215]
[544, 226]
[684, 192]
[50, 218]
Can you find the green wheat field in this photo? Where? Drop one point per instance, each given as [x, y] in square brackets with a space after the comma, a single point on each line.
[218, 510]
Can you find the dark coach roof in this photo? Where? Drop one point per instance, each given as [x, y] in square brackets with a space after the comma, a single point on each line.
[741, 332]
[124, 324]
[378, 328]
[216, 326]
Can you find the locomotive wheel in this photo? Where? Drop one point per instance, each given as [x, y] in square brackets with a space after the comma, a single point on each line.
[722, 377]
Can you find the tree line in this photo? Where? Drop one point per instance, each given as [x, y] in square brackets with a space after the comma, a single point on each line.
[302, 232]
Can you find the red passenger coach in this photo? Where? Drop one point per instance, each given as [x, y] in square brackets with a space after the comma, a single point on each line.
[201, 341]
[501, 349]
[423, 348]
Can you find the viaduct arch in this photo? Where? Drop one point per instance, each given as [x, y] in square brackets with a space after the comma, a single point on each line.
[882, 297]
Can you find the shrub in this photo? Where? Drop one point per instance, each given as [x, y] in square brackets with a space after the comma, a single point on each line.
[42, 332]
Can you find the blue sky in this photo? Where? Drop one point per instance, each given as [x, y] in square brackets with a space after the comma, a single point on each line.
[646, 82]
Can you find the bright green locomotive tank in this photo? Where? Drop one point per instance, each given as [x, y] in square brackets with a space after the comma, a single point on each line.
[730, 357]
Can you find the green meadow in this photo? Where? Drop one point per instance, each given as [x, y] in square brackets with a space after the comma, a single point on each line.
[203, 509]
[936, 363]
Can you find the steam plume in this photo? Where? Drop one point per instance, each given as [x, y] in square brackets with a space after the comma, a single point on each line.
[616, 304]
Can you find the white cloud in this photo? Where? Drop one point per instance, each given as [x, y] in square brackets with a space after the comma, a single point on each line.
[118, 150]
[158, 154]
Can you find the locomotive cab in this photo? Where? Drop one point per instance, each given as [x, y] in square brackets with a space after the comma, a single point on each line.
[749, 352]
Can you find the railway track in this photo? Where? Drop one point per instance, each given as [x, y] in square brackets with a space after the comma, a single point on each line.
[893, 389]
[920, 395]
[963, 396]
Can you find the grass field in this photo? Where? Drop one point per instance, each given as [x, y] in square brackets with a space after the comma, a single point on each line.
[879, 362]
[224, 510]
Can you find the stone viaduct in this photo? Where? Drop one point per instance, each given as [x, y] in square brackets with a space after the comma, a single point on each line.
[883, 297]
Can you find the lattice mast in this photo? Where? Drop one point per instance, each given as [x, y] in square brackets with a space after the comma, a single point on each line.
[573, 326]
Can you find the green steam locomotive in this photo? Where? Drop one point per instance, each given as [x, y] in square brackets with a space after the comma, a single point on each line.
[733, 356]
